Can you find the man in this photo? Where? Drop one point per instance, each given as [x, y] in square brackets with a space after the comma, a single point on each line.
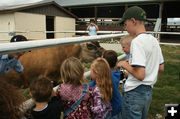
[145, 61]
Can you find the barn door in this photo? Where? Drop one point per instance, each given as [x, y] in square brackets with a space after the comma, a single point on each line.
[49, 26]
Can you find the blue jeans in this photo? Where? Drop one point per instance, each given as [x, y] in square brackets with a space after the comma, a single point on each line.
[136, 102]
[109, 116]
[123, 88]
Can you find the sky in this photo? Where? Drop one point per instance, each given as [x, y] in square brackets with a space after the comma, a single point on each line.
[16, 2]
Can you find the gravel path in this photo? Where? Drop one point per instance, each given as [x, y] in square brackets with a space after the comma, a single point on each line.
[113, 46]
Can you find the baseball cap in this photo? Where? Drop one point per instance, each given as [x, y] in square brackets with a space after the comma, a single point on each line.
[18, 38]
[134, 12]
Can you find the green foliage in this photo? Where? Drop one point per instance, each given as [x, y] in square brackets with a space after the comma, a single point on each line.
[167, 88]
[87, 65]
[25, 92]
[119, 53]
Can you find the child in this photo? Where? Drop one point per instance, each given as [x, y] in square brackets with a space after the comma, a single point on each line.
[77, 98]
[116, 101]
[144, 63]
[9, 61]
[126, 43]
[10, 101]
[41, 91]
[103, 91]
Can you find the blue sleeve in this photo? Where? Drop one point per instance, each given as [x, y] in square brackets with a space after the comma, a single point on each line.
[17, 66]
[3, 67]
[127, 56]
[6, 64]
[92, 84]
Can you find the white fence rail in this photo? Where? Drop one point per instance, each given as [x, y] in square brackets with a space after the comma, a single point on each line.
[31, 45]
[170, 44]
[12, 33]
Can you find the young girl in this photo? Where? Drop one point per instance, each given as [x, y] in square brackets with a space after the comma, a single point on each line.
[102, 92]
[77, 98]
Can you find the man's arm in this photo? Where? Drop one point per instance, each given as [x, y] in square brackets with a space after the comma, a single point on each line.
[138, 72]
[161, 67]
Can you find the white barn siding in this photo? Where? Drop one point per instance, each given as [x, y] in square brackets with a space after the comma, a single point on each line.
[6, 24]
[64, 24]
[31, 22]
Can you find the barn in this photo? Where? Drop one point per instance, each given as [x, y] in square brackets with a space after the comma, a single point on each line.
[41, 16]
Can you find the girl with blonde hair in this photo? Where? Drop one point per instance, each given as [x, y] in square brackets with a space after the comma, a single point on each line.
[103, 91]
[77, 98]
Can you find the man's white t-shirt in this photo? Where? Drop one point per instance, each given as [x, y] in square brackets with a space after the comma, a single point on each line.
[146, 52]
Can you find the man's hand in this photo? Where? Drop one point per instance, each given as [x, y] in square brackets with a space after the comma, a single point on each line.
[137, 71]
[123, 64]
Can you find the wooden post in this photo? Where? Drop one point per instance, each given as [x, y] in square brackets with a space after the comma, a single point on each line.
[160, 9]
[126, 6]
[95, 14]
[160, 16]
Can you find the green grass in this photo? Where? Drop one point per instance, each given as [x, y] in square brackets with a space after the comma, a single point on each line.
[167, 88]
[119, 53]
[87, 65]
[25, 92]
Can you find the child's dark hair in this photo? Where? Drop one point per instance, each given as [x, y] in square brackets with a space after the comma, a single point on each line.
[111, 57]
[41, 89]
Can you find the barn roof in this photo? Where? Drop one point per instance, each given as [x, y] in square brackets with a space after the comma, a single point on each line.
[74, 3]
[17, 8]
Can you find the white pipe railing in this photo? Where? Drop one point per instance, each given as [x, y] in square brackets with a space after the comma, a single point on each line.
[82, 32]
[6, 48]
[170, 44]
[167, 33]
